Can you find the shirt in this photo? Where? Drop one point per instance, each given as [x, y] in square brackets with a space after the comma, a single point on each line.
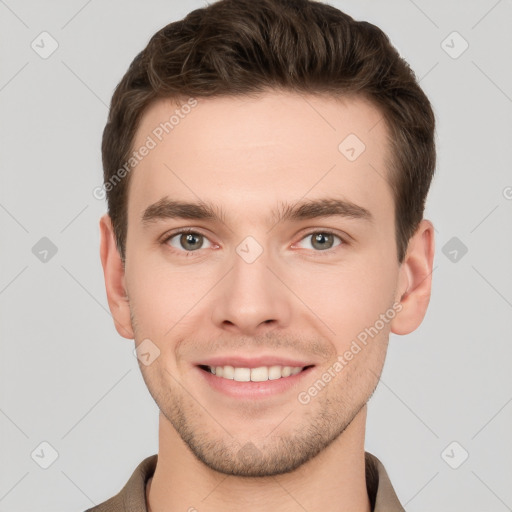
[132, 497]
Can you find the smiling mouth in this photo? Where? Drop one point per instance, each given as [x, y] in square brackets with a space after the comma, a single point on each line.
[260, 374]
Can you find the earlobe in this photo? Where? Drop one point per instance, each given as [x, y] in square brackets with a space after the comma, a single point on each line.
[113, 272]
[415, 280]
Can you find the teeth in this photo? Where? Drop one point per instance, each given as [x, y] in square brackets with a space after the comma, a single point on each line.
[259, 374]
[274, 372]
[242, 374]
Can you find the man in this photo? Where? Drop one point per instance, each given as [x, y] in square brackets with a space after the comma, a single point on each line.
[266, 168]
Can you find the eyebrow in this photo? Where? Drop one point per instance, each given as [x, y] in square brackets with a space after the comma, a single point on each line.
[304, 210]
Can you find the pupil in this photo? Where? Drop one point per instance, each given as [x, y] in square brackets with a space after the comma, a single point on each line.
[322, 238]
[189, 241]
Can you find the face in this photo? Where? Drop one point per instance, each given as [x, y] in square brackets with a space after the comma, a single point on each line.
[290, 261]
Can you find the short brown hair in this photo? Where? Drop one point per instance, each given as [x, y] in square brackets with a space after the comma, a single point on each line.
[236, 47]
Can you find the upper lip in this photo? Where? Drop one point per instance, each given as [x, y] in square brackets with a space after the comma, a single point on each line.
[253, 362]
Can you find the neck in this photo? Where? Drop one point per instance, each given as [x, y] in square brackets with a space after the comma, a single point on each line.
[336, 475]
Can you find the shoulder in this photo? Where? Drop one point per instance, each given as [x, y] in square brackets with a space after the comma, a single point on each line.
[380, 491]
[133, 495]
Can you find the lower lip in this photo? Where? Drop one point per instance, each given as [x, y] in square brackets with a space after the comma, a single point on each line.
[253, 390]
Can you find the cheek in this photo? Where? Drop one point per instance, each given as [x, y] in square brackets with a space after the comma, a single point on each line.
[350, 297]
[161, 297]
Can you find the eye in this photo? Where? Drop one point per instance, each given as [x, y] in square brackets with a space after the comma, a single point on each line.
[187, 241]
[321, 240]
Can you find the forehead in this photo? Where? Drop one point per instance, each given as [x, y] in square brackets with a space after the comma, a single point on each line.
[248, 153]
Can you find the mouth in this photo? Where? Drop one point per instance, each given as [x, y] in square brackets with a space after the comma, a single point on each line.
[259, 374]
[254, 381]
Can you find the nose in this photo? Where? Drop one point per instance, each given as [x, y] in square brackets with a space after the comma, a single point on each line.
[250, 300]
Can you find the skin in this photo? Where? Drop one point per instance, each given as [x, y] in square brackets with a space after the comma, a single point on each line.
[248, 155]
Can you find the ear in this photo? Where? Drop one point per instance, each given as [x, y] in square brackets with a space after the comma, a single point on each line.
[415, 280]
[113, 271]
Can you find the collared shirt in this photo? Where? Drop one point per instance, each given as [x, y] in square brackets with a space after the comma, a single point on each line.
[132, 498]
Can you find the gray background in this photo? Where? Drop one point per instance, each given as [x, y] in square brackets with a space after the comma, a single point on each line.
[69, 380]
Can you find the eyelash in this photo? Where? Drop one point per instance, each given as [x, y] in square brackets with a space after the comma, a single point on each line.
[326, 252]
